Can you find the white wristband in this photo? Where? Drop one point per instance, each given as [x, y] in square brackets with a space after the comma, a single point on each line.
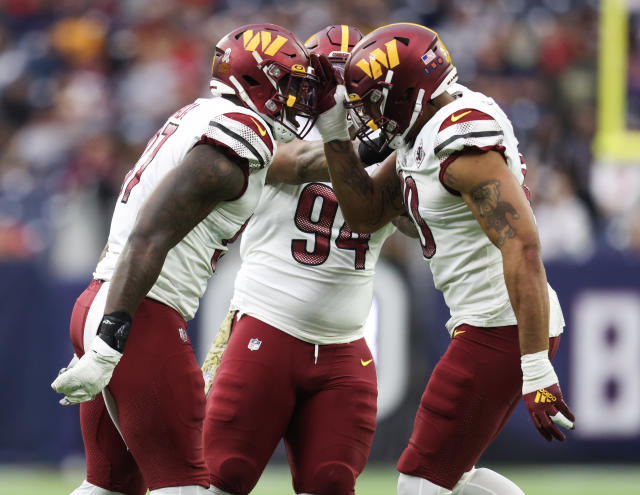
[537, 372]
[332, 124]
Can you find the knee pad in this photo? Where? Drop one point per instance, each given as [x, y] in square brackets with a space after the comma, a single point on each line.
[413, 485]
[237, 475]
[482, 481]
[87, 488]
[333, 478]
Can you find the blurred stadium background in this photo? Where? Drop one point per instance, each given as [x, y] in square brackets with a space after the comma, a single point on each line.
[84, 84]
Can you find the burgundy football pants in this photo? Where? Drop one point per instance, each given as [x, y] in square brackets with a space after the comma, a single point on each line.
[469, 397]
[269, 386]
[159, 392]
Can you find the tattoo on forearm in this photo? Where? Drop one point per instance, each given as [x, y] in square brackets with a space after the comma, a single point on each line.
[391, 195]
[494, 212]
[339, 146]
[353, 175]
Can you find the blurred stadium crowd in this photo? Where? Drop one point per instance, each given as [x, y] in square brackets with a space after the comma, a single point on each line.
[85, 83]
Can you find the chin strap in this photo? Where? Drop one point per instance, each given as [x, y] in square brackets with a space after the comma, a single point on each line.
[385, 90]
[398, 141]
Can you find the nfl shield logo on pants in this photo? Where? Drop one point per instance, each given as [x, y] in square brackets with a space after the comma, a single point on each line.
[254, 344]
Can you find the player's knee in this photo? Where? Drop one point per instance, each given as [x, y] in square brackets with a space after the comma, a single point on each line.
[413, 485]
[482, 480]
[333, 478]
[237, 475]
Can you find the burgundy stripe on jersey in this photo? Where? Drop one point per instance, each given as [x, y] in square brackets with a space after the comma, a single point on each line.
[464, 115]
[466, 151]
[240, 161]
[255, 124]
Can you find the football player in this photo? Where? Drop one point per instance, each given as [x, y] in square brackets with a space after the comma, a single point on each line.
[296, 364]
[189, 195]
[458, 174]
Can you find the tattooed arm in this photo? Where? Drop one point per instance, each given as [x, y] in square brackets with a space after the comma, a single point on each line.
[367, 202]
[184, 198]
[298, 162]
[497, 201]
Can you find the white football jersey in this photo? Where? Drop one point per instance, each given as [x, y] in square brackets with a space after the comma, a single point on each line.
[465, 264]
[303, 270]
[235, 130]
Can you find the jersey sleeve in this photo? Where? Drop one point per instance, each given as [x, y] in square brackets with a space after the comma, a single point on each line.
[466, 131]
[243, 136]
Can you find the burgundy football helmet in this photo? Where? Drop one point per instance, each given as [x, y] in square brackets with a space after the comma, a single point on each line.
[336, 42]
[268, 69]
[391, 74]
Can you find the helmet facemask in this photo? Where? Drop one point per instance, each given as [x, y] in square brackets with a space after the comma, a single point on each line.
[291, 108]
[373, 128]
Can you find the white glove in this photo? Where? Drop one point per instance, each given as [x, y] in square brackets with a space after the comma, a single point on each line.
[85, 379]
[72, 363]
[332, 124]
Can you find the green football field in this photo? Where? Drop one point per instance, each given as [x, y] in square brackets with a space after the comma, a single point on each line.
[376, 480]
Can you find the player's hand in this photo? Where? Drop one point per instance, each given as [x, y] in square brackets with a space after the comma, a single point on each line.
[72, 363]
[546, 407]
[329, 78]
[86, 378]
[332, 121]
[543, 397]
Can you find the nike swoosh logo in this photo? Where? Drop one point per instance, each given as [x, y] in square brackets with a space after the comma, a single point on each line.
[261, 130]
[365, 363]
[457, 332]
[455, 118]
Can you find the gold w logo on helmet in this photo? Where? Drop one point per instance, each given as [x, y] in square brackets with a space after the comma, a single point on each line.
[263, 38]
[372, 67]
